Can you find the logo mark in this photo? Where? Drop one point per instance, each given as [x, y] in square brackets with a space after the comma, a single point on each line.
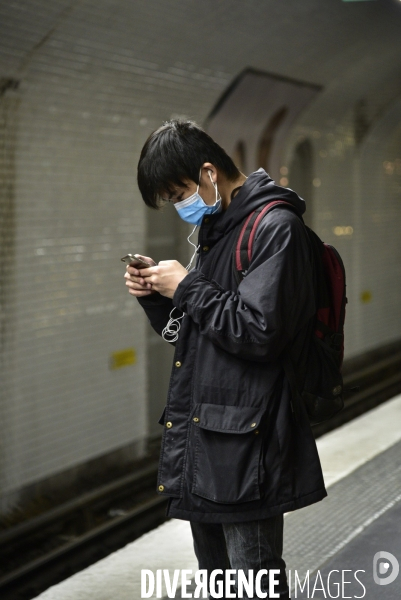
[381, 566]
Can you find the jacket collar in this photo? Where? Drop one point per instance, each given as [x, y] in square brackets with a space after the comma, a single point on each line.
[259, 189]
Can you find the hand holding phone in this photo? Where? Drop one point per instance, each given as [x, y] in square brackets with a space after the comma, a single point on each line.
[134, 260]
[135, 283]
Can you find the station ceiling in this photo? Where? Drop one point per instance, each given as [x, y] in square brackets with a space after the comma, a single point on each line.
[351, 47]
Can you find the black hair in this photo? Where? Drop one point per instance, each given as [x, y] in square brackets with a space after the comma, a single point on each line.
[174, 153]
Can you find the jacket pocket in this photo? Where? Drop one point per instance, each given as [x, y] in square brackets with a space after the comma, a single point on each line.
[227, 450]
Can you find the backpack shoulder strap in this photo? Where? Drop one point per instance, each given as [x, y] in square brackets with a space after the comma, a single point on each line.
[246, 237]
[242, 259]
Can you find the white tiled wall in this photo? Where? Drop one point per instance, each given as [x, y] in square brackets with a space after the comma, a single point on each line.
[94, 79]
[92, 85]
[357, 209]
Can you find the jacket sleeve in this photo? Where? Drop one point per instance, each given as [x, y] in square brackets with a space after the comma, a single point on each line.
[273, 301]
[157, 309]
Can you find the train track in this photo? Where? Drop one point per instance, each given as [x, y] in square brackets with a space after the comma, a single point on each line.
[44, 550]
[378, 377]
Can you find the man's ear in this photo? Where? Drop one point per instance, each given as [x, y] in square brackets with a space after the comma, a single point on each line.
[207, 168]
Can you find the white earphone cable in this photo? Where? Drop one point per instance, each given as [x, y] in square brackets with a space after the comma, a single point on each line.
[188, 267]
[171, 331]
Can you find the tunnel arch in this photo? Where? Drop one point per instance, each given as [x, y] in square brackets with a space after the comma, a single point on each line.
[266, 142]
[259, 109]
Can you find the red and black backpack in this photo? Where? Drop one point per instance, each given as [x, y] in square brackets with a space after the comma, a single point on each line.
[317, 378]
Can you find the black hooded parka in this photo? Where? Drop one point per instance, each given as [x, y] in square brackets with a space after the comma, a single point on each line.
[232, 448]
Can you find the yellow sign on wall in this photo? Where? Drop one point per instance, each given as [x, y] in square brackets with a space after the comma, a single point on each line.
[122, 358]
[366, 296]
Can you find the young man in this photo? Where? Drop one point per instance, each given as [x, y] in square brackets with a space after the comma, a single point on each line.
[235, 456]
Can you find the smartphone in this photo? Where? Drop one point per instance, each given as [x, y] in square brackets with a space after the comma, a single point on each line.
[135, 261]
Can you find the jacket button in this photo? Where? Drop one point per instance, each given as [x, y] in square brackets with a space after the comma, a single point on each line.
[161, 488]
[257, 431]
[169, 424]
[206, 219]
[196, 420]
[253, 424]
[178, 363]
[205, 248]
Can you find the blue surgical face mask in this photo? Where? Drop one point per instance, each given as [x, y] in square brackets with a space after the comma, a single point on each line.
[193, 209]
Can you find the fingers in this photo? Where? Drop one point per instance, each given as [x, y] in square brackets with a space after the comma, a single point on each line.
[135, 283]
[163, 267]
[162, 278]
[133, 275]
[135, 289]
[131, 271]
[147, 272]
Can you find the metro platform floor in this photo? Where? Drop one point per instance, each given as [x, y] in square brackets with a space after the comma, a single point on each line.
[360, 517]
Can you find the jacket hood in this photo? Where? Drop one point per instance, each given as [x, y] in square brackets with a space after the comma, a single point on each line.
[259, 189]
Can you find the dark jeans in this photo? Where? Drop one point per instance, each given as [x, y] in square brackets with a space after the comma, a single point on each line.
[250, 545]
